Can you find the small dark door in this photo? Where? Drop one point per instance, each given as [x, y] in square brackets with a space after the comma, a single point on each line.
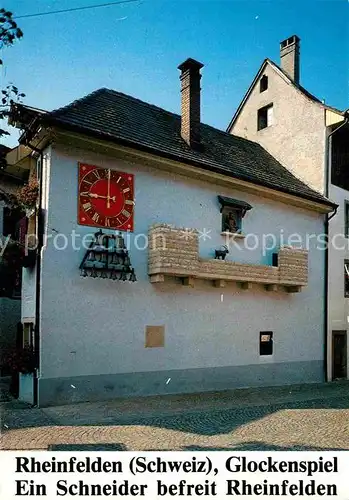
[339, 354]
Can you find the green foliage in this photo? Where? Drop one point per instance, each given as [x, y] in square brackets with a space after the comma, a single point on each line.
[9, 34]
[27, 195]
[9, 31]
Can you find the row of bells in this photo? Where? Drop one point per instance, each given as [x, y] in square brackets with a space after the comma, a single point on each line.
[112, 258]
[113, 274]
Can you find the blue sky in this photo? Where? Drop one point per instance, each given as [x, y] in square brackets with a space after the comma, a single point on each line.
[136, 48]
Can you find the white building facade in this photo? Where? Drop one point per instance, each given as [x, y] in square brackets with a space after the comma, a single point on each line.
[191, 322]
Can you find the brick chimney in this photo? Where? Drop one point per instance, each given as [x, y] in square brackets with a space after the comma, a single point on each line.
[190, 101]
[289, 56]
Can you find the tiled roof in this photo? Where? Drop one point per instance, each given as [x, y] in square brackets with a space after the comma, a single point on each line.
[124, 119]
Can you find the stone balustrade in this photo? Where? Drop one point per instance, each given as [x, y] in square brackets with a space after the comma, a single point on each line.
[175, 252]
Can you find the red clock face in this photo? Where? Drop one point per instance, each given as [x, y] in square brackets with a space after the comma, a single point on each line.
[106, 198]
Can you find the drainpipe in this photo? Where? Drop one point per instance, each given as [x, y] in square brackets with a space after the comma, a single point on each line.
[328, 165]
[38, 278]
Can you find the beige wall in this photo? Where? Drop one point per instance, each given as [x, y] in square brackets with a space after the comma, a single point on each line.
[297, 137]
[297, 140]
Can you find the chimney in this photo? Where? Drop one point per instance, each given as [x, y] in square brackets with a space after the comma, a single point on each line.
[289, 56]
[190, 101]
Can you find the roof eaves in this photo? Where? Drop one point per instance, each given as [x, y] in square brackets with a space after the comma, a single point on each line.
[336, 110]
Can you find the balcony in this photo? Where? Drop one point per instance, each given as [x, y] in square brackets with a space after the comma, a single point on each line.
[174, 252]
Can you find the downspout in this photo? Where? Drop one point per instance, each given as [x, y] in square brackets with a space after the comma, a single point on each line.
[38, 278]
[328, 166]
[326, 315]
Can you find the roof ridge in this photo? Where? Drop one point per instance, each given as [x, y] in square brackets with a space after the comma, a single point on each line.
[144, 103]
[102, 90]
[76, 102]
[206, 125]
[153, 106]
[158, 108]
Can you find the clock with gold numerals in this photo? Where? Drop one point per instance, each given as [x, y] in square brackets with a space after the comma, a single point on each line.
[106, 198]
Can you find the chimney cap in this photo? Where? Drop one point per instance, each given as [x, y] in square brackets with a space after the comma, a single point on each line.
[289, 41]
[190, 64]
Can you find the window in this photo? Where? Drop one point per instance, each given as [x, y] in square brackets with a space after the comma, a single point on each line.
[275, 260]
[263, 84]
[232, 212]
[28, 334]
[346, 215]
[265, 117]
[14, 226]
[266, 343]
[340, 158]
[346, 278]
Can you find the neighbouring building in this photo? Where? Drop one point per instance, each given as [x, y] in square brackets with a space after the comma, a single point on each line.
[133, 291]
[311, 139]
[13, 173]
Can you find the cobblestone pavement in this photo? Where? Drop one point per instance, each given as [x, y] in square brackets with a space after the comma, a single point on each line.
[310, 417]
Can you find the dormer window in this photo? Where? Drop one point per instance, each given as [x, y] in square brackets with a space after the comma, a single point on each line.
[233, 211]
[263, 84]
[265, 117]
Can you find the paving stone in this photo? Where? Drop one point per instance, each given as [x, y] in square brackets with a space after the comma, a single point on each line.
[309, 417]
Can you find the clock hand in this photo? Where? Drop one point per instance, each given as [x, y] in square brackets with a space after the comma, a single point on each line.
[95, 195]
[89, 195]
[108, 194]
